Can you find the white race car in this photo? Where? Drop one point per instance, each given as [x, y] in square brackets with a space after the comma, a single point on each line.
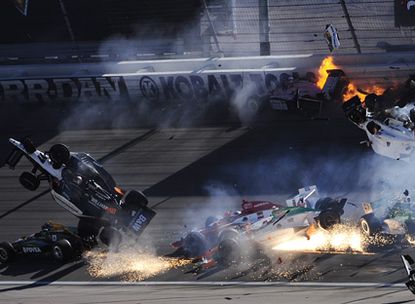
[390, 131]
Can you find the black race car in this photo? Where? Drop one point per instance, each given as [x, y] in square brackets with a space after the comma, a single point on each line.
[54, 240]
[82, 186]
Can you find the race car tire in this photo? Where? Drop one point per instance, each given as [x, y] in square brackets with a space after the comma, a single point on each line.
[195, 244]
[28, 145]
[59, 154]
[210, 220]
[134, 199]
[7, 252]
[369, 225]
[324, 204]
[62, 251]
[327, 219]
[88, 228]
[229, 252]
[110, 236]
[29, 180]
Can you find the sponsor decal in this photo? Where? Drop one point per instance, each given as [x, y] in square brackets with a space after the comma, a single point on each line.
[159, 88]
[404, 13]
[149, 88]
[31, 250]
[94, 202]
[138, 223]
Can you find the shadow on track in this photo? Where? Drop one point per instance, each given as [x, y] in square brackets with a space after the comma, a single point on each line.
[49, 279]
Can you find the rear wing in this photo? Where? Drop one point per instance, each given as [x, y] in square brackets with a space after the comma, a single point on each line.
[16, 155]
[335, 85]
[13, 159]
[306, 196]
[407, 263]
[139, 221]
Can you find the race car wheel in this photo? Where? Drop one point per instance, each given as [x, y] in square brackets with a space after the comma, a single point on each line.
[369, 225]
[229, 252]
[324, 204]
[327, 219]
[59, 154]
[28, 145]
[195, 244]
[110, 237]
[134, 199]
[29, 180]
[62, 251]
[7, 252]
[88, 228]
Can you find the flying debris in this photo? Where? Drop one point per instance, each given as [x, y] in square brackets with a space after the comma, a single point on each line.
[387, 119]
[332, 37]
[82, 186]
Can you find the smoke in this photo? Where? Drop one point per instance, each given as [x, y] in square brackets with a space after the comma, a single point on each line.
[244, 104]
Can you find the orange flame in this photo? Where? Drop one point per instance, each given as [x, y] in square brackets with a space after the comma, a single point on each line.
[326, 64]
[351, 90]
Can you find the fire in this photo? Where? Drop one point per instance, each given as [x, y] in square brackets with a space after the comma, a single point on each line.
[129, 265]
[326, 64]
[351, 90]
[340, 239]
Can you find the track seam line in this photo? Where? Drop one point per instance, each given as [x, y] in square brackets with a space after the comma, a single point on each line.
[206, 283]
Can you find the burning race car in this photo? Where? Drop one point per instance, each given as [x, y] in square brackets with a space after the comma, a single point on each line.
[388, 120]
[260, 223]
[301, 94]
[82, 186]
[54, 240]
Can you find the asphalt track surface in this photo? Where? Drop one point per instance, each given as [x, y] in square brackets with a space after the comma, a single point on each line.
[239, 293]
[189, 173]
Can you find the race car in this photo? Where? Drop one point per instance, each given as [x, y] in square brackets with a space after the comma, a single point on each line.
[258, 223]
[197, 242]
[301, 94]
[82, 186]
[407, 263]
[398, 222]
[388, 120]
[54, 240]
[305, 213]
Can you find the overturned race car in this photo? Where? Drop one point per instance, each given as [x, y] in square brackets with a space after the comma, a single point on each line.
[387, 119]
[82, 186]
